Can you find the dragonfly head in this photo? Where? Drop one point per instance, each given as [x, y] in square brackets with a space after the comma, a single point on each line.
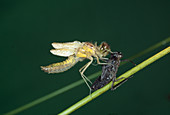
[104, 49]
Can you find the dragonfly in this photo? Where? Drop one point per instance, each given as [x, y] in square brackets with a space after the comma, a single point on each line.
[77, 51]
[109, 72]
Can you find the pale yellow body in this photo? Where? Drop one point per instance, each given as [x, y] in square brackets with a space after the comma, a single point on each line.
[61, 66]
[86, 51]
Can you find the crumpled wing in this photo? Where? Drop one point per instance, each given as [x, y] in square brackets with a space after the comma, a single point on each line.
[63, 52]
[105, 73]
[67, 45]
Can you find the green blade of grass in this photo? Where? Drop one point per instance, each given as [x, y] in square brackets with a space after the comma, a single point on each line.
[161, 43]
[107, 87]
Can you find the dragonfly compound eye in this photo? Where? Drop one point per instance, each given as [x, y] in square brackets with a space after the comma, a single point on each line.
[104, 48]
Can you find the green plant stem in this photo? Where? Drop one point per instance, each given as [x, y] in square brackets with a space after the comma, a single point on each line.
[161, 43]
[77, 83]
[107, 87]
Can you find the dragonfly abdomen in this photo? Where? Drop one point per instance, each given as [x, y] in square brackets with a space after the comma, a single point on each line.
[61, 66]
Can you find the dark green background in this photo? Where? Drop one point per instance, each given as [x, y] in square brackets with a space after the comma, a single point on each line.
[29, 27]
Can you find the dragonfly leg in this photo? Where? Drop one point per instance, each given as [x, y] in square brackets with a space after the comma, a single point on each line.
[114, 79]
[98, 62]
[127, 60]
[82, 67]
[82, 70]
[120, 78]
[84, 78]
[125, 79]
[104, 59]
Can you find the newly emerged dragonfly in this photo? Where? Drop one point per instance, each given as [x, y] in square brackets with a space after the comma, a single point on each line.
[109, 72]
[77, 51]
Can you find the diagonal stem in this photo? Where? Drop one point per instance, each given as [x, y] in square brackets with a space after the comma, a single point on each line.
[107, 87]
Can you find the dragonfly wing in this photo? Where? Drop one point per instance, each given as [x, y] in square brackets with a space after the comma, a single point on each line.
[62, 52]
[67, 45]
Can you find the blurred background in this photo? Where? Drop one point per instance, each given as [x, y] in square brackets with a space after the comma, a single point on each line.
[27, 29]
